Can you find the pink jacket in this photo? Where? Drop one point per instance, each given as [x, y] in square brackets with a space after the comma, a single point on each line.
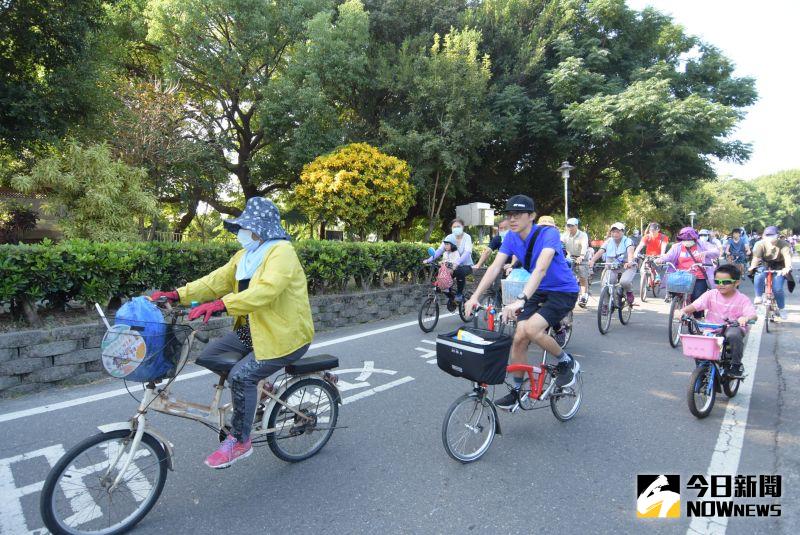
[711, 253]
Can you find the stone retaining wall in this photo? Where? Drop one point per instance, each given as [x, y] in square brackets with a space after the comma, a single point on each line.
[31, 361]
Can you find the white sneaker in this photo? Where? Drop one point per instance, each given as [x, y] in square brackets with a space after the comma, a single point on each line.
[782, 313]
[757, 301]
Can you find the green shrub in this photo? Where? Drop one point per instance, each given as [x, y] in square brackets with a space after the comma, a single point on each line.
[88, 271]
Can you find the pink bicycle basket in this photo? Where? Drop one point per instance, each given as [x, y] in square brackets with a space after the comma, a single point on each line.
[702, 347]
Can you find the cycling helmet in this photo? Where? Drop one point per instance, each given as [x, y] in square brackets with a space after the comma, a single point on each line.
[687, 233]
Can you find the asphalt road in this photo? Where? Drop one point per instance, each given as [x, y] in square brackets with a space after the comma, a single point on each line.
[388, 472]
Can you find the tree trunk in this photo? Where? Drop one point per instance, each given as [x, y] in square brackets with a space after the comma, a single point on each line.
[186, 220]
[322, 230]
[29, 310]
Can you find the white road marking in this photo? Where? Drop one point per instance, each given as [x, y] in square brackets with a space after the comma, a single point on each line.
[427, 354]
[432, 342]
[185, 377]
[12, 517]
[728, 451]
[375, 390]
[368, 367]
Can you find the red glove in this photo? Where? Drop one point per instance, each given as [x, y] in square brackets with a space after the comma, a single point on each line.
[171, 296]
[207, 309]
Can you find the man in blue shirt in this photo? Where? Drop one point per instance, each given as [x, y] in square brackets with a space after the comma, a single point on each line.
[547, 298]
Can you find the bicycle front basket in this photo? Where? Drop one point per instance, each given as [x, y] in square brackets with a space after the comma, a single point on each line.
[482, 363]
[142, 351]
[681, 282]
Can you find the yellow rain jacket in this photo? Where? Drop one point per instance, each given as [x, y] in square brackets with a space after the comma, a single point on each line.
[276, 300]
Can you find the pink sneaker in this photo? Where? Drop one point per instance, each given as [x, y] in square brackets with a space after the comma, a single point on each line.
[230, 451]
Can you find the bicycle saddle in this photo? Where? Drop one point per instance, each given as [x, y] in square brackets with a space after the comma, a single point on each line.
[316, 363]
[221, 363]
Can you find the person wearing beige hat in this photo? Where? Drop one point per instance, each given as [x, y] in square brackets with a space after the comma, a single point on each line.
[619, 248]
[547, 220]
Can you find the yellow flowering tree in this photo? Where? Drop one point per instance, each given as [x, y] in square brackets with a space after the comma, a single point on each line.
[357, 185]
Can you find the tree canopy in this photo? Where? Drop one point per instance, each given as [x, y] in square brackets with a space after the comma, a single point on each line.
[219, 100]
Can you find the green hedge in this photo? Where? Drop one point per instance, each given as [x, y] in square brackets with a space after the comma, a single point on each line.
[86, 271]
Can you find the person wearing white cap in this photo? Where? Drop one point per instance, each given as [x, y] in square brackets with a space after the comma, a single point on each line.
[705, 235]
[774, 254]
[576, 243]
[619, 248]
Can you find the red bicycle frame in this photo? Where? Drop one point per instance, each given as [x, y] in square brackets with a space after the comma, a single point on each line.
[536, 374]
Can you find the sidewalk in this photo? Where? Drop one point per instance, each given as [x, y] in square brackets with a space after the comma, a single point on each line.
[787, 443]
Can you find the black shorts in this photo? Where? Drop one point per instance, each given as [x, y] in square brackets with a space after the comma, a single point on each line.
[552, 306]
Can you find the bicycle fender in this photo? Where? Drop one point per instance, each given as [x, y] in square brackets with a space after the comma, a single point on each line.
[168, 446]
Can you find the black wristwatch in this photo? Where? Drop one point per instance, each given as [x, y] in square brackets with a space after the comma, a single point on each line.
[522, 296]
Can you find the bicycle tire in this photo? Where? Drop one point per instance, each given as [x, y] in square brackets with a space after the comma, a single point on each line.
[731, 387]
[46, 501]
[489, 425]
[276, 443]
[604, 320]
[655, 289]
[644, 280]
[576, 391]
[767, 314]
[624, 313]
[697, 383]
[674, 327]
[462, 312]
[431, 304]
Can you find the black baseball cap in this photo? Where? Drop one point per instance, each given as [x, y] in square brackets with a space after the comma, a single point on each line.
[520, 203]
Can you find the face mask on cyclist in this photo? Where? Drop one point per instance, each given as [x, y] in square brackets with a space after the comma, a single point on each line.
[503, 234]
[245, 238]
[704, 238]
[688, 243]
[771, 239]
[458, 231]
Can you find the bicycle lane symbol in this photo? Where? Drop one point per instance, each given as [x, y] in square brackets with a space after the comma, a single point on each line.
[367, 381]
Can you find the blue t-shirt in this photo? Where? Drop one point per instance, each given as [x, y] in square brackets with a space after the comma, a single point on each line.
[559, 277]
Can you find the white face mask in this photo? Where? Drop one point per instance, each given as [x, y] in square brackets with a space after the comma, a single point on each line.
[503, 234]
[703, 238]
[688, 243]
[458, 231]
[771, 239]
[245, 238]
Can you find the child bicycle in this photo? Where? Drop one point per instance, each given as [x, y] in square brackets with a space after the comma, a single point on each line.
[712, 371]
[110, 481]
[649, 279]
[428, 316]
[471, 422]
[612, 298]
[768, 299]
[680, 284]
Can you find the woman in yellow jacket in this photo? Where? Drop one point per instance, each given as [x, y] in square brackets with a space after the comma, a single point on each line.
[264, 287]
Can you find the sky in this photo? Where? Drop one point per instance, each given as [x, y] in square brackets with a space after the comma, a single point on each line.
[763, 41]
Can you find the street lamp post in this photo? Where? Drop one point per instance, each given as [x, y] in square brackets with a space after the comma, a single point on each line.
[691, 216]
[565, 169]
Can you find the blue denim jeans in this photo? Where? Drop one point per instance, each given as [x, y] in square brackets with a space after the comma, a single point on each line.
[777, 286]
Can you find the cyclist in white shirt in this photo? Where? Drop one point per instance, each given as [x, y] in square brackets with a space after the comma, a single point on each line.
[576, 243]
[619, 248]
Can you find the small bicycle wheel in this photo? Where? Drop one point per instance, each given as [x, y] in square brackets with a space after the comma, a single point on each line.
[469, 427]
[644, 282]
[675, 324]
[731, 386]
[461, 310]
[77, 496]
[604, 311]
[700, 395]
[566, 401]
[564, 333]
[428, 315]
[625, 312]
[655, 288]
[296, 438]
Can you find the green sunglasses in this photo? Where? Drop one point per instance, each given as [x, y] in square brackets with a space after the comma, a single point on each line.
[724, 282]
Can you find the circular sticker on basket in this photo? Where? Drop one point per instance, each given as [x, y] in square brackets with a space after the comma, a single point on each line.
[123, 349]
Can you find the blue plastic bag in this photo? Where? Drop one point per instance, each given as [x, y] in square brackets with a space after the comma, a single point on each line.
[519, 275]
[143, 316]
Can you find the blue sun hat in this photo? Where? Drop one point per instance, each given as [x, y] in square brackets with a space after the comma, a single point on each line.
[261, 216]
